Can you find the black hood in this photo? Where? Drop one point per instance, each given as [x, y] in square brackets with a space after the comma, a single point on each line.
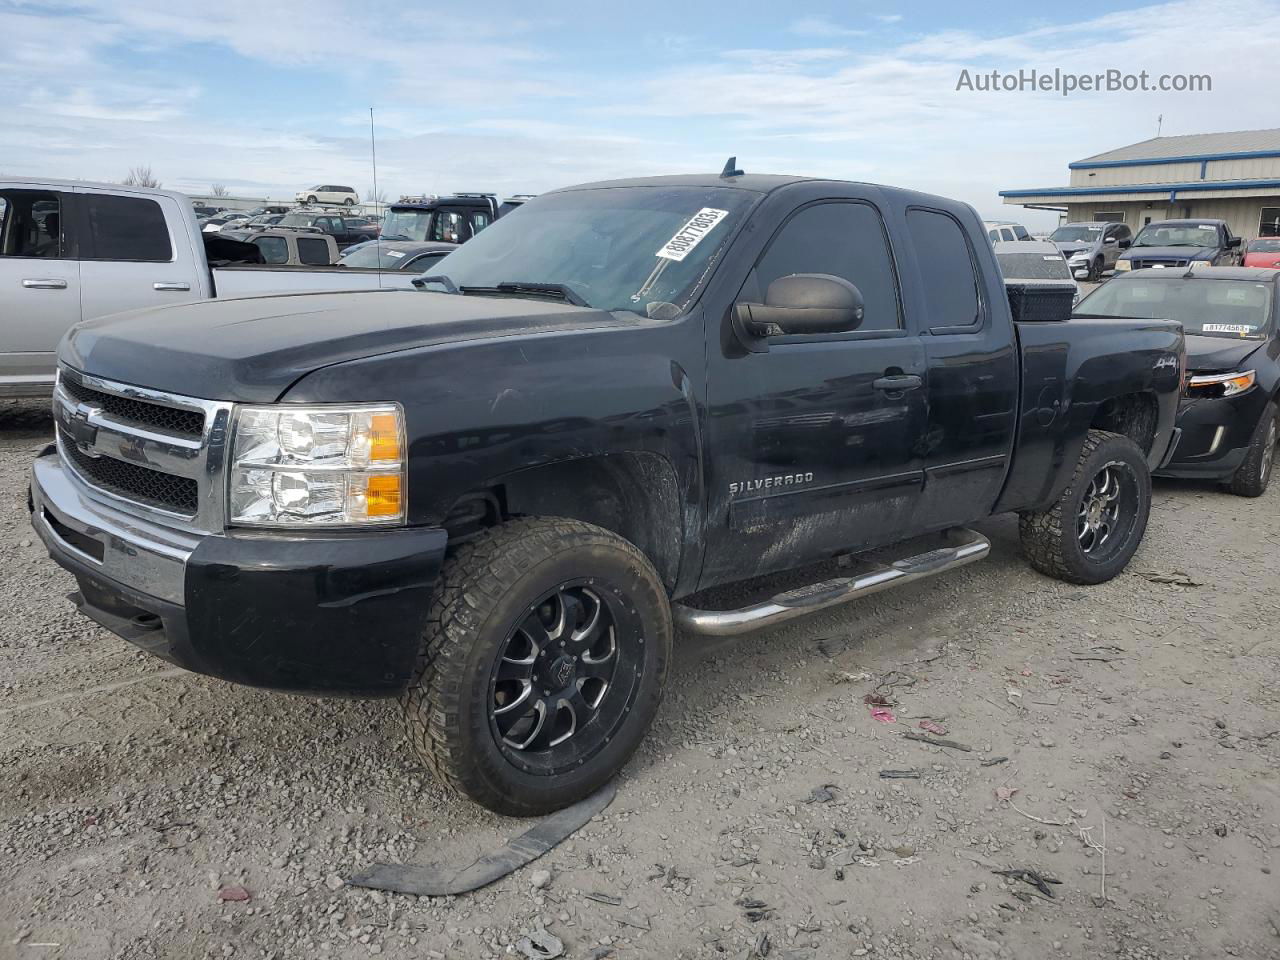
[1218, 354]
[252, 349]
[1170, 253]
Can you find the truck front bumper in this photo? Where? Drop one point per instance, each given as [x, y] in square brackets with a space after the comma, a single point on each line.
[316, 612]
[1215, 435]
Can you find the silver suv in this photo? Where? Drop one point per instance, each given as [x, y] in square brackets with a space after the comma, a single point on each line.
[1092, 248]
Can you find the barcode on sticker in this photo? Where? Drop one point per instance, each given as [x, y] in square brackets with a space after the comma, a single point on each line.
[691, 234]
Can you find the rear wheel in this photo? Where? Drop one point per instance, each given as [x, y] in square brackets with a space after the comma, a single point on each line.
[1254, 474]
[542, 667]
[1094, 529]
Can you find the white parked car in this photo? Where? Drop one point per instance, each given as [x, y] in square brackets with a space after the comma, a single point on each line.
[329, 193]
[1002, 230]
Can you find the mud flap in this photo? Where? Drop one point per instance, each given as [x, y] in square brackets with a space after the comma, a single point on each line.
[433, 880]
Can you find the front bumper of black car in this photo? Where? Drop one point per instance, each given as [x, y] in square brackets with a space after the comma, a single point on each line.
[1215, 435]
[325, 613]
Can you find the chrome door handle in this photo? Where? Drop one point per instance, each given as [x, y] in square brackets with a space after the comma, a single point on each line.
[49, 284]
[169, 285]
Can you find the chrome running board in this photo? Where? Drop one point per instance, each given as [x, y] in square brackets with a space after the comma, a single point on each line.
[966, 547]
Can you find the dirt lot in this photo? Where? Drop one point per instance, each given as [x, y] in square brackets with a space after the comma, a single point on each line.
[1141, 715]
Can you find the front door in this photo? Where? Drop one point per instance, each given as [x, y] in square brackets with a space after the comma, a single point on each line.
[39, 285]
[814, 441]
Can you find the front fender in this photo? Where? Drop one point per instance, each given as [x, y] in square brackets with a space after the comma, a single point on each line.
[477, 411]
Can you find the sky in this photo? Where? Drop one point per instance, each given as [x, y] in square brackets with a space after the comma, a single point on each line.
[271, 97]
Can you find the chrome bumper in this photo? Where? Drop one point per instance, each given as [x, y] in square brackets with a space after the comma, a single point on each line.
[147, 557]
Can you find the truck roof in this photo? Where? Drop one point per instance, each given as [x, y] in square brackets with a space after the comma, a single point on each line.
[755, 182]
[52, 184]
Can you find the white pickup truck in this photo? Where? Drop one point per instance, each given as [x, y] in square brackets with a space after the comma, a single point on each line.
[72, 251]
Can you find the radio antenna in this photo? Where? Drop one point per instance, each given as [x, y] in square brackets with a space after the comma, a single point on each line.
[373, 154]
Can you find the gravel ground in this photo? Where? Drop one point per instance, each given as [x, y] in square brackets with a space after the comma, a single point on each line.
[1140, 716]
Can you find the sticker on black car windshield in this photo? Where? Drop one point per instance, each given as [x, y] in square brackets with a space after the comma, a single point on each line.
[1228, 328]
[691, 234]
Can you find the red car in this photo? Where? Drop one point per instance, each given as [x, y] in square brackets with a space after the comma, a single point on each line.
[1263, 252]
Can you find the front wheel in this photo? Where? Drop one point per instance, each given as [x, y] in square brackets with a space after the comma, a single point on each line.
[1095, 270]
[1094, 529]
[1254, 474]
[349, 202]
[311, 199]
[542, 667]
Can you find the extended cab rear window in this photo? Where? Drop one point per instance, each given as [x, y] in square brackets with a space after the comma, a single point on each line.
[950, 283]
[126, 228]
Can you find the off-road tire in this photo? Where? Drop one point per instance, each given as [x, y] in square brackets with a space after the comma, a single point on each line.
[1252, 476]
[485, 589]
[1049, 537]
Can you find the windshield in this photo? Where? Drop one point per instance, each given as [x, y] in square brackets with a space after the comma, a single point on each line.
[1177, 235]
[1075, 234]
[1033, 266]
[619, 248]
[406, 225]
[1210, 308]
[373, 255]
[297, 220]
[1265, 246]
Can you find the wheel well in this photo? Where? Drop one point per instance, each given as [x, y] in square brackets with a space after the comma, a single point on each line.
[635, 495]
[1133, 415]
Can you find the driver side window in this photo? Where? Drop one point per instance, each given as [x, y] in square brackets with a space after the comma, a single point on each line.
[845, 239]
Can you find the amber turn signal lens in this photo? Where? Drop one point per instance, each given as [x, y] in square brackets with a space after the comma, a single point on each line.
[382, 495]
[384, 437]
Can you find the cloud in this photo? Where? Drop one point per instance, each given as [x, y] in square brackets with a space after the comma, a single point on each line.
[483, 100]
[821, 27]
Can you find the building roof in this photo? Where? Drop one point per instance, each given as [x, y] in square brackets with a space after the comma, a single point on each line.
[1192, 146]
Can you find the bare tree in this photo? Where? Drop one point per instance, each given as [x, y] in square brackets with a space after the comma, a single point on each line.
[380, 197]
[218, 190]
[140, 177]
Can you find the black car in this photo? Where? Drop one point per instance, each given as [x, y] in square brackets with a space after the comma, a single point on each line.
[344, 230]
[1227, 418]
[396, 255]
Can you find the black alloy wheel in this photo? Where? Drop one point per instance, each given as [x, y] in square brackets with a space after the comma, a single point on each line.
[566, 677]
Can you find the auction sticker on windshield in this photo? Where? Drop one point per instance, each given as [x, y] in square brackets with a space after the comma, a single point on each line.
[691, 234]
[1240, 328]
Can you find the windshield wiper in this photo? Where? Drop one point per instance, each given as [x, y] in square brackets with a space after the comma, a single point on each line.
[440, 278]
[394, 236]
[516, 288]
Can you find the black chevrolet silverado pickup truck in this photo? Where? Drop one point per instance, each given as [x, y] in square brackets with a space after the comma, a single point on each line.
[497, 496]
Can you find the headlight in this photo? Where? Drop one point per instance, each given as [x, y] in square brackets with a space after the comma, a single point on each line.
[318, 466]
[1123, 265]
[1079, 258]
[1201, 263]
[1220, 384]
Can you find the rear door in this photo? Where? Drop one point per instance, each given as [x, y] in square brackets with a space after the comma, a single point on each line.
[973, 370]
[39, 285]
[815, 441]
[131, 257]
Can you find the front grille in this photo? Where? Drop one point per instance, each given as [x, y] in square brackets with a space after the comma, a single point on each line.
[188, 423]
[146, 486]
[1156, 262]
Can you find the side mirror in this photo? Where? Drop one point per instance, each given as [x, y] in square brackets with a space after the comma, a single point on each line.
[1125, 244]
[1233, 242]
[804, 303]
